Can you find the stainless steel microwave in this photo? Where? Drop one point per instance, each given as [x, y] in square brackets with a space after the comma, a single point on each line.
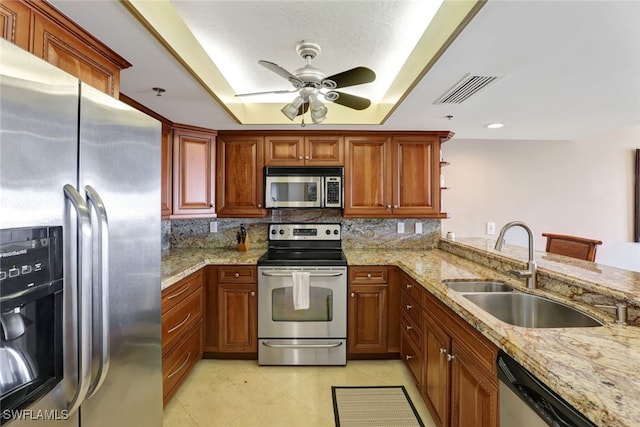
[303, 187]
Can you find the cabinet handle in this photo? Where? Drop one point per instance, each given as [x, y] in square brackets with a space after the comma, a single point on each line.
[388, 206]
[177, 294]
[443, 350]
[306, 157]
[368, 275]
[353, 294]
[253, 294]
[409, 307]
[181, 366]
[450, 357]
[408, 357]
[179, 325]
[408, 286]
[236, 275]
[409, 328]
[300, 158]
[395, 206]
[259, 205]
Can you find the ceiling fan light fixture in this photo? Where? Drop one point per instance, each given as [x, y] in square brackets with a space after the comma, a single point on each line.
[318, 109]
[291, 110]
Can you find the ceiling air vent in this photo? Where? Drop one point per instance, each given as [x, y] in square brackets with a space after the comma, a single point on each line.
[468, 86]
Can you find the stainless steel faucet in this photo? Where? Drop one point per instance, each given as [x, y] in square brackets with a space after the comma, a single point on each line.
[532, 268]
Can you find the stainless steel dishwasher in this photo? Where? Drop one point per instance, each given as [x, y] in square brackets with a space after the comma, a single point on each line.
[527, 401]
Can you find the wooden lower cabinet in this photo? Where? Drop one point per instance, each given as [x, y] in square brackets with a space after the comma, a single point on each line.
[237, 309]
[460, 378]
[182, 306]
[373, 312]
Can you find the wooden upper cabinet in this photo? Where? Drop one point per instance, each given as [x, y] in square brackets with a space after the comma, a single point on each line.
[41, 29]
[367, 186]
[240, 176]
[416, 174]
[15, 17]
[393, 176]
[194, 153]
[298, 150]
[166, 194]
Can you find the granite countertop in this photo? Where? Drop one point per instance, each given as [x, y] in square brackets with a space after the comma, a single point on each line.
[597, 370]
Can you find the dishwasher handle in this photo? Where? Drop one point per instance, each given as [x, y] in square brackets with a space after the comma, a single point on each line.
[537, 395]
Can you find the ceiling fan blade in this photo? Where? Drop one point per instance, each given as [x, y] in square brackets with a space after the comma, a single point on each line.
[352, 101]
[282, 72]
[303, 109]
[266, 92]
[352, 77]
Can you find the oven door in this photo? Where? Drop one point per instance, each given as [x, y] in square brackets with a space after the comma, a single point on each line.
[326, 316]
[293, 192]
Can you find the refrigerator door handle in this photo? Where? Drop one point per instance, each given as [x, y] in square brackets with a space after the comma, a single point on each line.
[102, 274]
[82, 298]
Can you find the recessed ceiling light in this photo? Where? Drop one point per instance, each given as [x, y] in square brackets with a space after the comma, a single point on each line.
[495, 125]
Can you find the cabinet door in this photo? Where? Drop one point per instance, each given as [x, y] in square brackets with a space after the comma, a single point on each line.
[61, 48]
[437, 345]
[474, 396]
[416, 179]
[324, 150]
[240, 184]
[15, 22]
[166, 193]
[367, 319]
[367, 184]
[284, 150]
[193, 179]
[238, 323]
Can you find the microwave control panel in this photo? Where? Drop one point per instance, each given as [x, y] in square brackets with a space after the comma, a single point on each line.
[333, 193]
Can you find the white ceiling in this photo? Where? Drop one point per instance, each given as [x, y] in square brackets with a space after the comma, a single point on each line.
[569, 69]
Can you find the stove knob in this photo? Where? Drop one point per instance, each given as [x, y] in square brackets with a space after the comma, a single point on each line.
[335, 232]
[281, 232]
[328, 232]
[273, 231]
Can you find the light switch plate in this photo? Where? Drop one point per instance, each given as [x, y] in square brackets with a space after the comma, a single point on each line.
[400, 227]
[491, 228]
[418, 228]
[213, 227]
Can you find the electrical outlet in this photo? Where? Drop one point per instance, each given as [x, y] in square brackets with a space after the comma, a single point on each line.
[491, 228]
[213, 227]
[418, 228]
[400, 227]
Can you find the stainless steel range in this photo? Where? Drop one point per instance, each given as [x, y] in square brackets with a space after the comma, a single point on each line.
[302, 296]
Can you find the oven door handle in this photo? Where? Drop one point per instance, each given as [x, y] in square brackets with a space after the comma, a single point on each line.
[102, 276]
[83, 298]
[289, 274]
[329, 345]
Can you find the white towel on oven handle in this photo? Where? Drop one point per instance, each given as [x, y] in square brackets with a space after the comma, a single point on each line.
[300, 290]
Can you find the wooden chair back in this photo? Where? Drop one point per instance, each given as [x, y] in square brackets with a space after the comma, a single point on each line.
[572, 246]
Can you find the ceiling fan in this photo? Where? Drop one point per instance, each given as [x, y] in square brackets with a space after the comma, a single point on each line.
[311, 82]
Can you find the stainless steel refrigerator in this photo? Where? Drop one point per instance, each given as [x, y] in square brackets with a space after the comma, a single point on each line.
[74, 157]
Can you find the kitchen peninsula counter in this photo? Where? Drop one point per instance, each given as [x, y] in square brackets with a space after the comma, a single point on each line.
[597, 370]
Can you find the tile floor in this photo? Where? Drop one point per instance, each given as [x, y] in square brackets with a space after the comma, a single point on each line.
[239, 393]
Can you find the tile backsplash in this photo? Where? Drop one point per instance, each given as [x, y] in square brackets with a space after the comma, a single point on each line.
[357, 233]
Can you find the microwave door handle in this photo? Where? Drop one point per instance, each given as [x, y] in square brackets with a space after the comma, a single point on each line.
[102, 317]
[82, 298]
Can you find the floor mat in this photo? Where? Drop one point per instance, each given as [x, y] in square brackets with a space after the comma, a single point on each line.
[383, 406]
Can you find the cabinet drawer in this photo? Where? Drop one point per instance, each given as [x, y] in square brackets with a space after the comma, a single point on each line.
[409, 286]
[368, 275]
[412, 330]
[178, 292]
[410, 308]
[177, 321]
[237, 274]
[413, 358]
[177, 364]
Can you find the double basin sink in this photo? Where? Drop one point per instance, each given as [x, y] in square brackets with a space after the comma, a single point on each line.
[520, 309]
